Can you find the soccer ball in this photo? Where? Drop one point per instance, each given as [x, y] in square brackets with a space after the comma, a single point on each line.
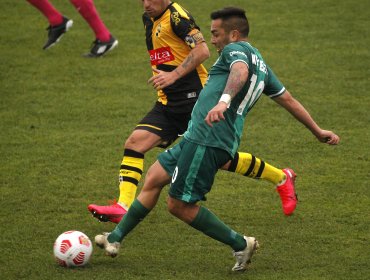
[72, 248]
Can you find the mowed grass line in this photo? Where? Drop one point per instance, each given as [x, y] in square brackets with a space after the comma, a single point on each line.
[64, 120]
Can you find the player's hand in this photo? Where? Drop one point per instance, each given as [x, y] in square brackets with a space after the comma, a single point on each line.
[162, 79]
[216, 114]
[328, 137]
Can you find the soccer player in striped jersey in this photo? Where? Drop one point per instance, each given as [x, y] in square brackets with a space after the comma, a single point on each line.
[236, 82]
[59, 24]
[176, 48]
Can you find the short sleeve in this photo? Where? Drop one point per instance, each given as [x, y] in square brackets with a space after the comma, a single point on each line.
[182, 23]
[273, 87]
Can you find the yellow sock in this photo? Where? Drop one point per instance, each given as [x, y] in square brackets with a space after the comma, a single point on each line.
[129, 176]
[248, 165]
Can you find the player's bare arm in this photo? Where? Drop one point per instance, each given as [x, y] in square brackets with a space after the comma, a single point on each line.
[294, 107]
[197, 55]
[235, 82]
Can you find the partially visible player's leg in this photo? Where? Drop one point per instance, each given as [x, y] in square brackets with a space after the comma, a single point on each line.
[104, 42]
[156, 178]
[208, 223]
[250, 166]
[48, 10]
[138, 143]
[58, 24]
[88, 11]
[155, 129]
[192, 180]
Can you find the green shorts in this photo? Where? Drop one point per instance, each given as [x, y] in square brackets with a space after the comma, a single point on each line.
[193, 168]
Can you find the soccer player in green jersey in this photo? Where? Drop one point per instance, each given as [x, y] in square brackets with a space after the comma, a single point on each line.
[177, 49]
[236, 81]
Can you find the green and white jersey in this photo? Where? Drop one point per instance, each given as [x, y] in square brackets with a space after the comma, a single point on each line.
[226, 134]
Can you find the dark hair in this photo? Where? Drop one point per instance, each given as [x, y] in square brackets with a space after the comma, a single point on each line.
[233, 18]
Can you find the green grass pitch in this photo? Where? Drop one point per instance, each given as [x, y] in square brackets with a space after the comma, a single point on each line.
[64, 119]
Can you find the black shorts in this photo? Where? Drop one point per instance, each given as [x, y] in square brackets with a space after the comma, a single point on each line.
[167, 125]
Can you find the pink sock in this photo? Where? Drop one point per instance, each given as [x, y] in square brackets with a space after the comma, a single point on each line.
[87, 9]
[52, 14]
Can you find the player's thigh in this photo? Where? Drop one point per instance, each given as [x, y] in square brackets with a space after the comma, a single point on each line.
[156, 176]
[142, 141]
[168, 126]
[155, 179]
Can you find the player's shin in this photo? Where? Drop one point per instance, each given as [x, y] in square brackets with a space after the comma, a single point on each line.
[136, 213]
[129, 176]
[248, 165]
[211, 225]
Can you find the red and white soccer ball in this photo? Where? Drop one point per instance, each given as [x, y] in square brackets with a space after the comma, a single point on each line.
[72, 248]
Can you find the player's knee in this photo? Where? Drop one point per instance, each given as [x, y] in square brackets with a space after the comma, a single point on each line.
[132, 142]
[151, 179]
[175, 207]
[182, 210]
[156, 178]
[142, 141]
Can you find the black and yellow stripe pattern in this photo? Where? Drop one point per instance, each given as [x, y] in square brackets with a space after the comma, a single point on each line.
[248, 165]
[129, 176]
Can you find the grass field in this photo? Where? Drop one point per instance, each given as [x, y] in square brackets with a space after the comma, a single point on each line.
[64, 119]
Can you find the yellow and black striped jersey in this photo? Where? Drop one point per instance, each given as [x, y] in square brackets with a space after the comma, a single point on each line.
[168, 44]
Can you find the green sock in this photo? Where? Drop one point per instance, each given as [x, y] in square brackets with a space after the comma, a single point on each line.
[135, 214]
[211, 225]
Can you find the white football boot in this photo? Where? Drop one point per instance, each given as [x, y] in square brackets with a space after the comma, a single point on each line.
[111, 249]
[243, 258]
